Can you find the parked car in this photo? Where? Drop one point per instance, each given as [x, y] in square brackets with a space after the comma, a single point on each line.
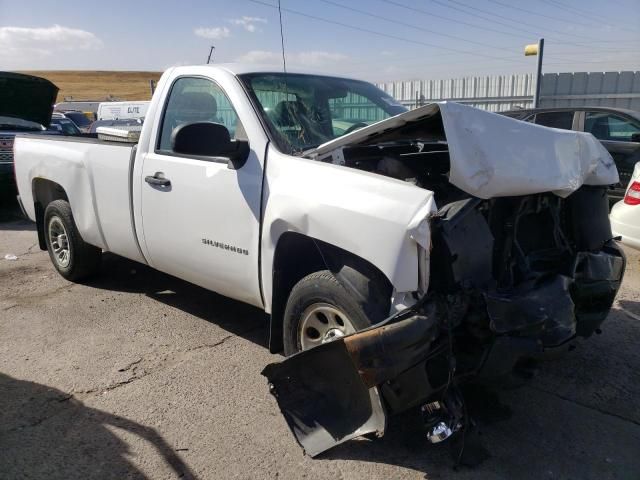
[625, 215]
[78, 118]
[397, 260]
[618, 129]
[63, 125]
[26, 103]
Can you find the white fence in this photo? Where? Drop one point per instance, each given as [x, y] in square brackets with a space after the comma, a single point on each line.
[506, 92]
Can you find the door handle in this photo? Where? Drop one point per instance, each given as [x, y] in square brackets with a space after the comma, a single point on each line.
[157, 180]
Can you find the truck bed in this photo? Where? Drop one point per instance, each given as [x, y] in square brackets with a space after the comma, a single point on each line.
[97, 176]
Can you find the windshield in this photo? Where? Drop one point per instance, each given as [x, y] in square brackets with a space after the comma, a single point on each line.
[64, 125]
[79, 118]
[13, 123]
[304, 111]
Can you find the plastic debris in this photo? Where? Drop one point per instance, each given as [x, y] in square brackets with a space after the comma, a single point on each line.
[10, 256]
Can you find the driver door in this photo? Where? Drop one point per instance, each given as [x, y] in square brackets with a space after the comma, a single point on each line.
[200, 218]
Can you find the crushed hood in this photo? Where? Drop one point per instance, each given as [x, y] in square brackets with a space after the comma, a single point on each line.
[27, 97]
[492, 155]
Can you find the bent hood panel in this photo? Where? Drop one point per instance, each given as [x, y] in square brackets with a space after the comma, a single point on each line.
[493, 155]
[27, 97]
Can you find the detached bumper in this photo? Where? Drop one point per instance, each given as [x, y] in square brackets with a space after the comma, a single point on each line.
[328, 394]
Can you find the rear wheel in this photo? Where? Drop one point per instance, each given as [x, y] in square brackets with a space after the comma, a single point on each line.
[71, 256]
[320, 309]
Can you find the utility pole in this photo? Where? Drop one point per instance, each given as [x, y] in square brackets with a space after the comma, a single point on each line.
[530, 50]
[210, 53]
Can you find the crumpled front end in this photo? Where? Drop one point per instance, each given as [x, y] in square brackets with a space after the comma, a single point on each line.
[511, 279]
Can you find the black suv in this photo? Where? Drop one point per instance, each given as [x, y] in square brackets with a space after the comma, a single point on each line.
[618, 129]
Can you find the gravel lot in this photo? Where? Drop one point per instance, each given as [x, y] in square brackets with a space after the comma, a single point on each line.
[140, 375]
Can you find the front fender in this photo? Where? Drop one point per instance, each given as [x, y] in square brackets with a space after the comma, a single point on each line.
[374, 217]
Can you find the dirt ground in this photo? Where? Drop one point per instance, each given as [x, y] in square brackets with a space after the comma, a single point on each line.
[136, 374]
[99, 85]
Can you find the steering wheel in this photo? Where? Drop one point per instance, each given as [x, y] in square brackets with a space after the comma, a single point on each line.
[355, 127]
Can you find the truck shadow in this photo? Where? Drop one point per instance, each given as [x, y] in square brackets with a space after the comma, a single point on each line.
[121, 274]
[11, 217]
[19, 225]
[46, 433]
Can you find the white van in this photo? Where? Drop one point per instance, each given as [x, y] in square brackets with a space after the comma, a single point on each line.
[120, 110]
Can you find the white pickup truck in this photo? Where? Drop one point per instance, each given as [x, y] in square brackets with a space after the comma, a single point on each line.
[413, 249]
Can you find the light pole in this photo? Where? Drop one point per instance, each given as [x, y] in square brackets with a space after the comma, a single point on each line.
[530, 50]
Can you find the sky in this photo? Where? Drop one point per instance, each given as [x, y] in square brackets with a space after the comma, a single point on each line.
[376, 40]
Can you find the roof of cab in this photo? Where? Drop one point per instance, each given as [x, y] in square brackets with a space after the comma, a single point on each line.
[247, 68]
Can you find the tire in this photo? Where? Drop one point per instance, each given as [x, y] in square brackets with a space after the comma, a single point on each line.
[323, 292]
[61, 235]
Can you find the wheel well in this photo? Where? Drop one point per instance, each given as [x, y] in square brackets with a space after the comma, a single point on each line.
[44, 192]
[297, 256]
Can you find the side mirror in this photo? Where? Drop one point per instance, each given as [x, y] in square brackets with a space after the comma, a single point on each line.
[635, 137]
[209, 139]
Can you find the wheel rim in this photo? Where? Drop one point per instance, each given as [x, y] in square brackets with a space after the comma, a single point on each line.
[321, 323]
[59, 241]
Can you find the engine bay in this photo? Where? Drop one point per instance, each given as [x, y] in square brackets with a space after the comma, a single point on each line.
[423, 164]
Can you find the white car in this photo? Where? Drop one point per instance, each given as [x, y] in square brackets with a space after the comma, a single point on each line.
[625, 215]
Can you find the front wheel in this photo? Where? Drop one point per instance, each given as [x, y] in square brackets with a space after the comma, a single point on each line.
[71, 256]
[320, 309]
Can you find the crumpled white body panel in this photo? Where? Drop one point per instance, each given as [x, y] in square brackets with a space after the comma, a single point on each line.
[380, 219]
[496, 156]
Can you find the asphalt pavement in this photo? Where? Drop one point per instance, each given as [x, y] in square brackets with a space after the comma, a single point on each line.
[136, 374]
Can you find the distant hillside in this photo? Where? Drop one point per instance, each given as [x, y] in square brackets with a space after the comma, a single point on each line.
[99, 85]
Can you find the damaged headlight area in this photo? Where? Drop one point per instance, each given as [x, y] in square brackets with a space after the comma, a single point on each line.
[511, 279]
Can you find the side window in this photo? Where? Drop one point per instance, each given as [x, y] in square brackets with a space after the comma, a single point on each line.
[605, 126]
[563, 120]
[197, 100]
